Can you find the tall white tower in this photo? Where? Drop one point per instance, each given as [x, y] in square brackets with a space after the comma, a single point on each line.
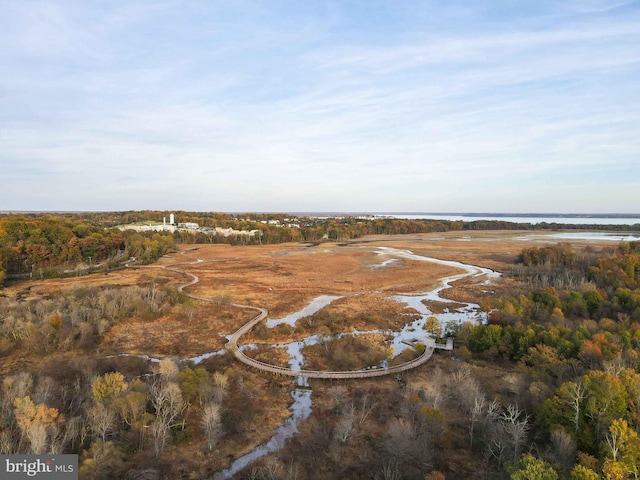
[172, 220]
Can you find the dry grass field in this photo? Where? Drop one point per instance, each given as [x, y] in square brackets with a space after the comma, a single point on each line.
[284, 278]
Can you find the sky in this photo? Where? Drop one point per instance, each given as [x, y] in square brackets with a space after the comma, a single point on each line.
[320, 106]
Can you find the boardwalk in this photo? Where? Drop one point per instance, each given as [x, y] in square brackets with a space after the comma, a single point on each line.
[232, 346]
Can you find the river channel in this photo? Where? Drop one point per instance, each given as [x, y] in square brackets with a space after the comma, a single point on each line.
[412, 332]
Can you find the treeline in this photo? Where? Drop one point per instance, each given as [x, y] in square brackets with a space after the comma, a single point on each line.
[579, 353]
[561, 266]
[592, 323]
[50, 245]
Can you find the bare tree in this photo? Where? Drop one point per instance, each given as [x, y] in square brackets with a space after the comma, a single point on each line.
[365, 409]
[292, 471]
[573, 395]
[515, 424]
[496, 448]
[72, 432]
[476, 412]
[101, 421]
[220, 386]
[344, 426]
[253, 473]
[168, 404]
[44, 390]
[8, 445]
[564, 448]
[492, 416]
[36, 433]
[339, 396]
[151, 297]
[614, 443]
[74, 396]
[211, 424]
[400, 441]
[272, 469]
[505, 432]
[390, 471]
[158, 432]
[463, 372]
[465, 388]
[434, 395]
[616, 365]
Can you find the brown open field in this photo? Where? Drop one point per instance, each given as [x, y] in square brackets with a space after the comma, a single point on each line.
[284, 278]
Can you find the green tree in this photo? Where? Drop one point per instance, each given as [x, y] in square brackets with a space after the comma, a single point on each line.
[532, 468]
[594, 300]
[581, 472]
[191, 380]
[587, 408]
[607, 400]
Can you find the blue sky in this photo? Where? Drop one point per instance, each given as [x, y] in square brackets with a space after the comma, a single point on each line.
[288, 106]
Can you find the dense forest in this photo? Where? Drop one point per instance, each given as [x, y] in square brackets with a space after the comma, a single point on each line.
[575, 336]
[47, 244]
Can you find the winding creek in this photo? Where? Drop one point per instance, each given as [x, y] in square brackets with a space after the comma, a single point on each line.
[412, 332]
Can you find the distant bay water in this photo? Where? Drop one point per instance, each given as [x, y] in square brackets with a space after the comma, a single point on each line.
[610, 236]
[528, 218]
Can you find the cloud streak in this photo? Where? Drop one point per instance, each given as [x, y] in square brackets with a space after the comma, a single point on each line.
[243, 107]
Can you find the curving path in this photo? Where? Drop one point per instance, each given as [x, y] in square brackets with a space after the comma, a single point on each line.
[232, 346]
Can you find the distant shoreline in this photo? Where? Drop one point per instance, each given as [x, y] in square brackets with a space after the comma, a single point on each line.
[527, 215]
[469, 214]
[346, 213]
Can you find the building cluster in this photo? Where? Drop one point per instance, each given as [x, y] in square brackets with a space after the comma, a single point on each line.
[287, 222]
[228, 232]
[172, 226]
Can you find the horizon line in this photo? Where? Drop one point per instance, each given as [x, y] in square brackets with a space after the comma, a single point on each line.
[350, 213]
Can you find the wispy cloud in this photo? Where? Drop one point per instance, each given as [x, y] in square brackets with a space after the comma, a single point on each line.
[242, 107]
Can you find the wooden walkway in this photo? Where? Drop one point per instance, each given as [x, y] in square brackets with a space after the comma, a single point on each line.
[232, 346]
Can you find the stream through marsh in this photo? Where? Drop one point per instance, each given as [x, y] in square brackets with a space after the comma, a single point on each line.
[301, 406]
[412, 332]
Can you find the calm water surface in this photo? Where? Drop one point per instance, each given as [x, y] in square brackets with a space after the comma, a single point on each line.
[516, 219]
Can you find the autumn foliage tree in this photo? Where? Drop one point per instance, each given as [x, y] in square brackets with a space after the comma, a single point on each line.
[39, 424]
